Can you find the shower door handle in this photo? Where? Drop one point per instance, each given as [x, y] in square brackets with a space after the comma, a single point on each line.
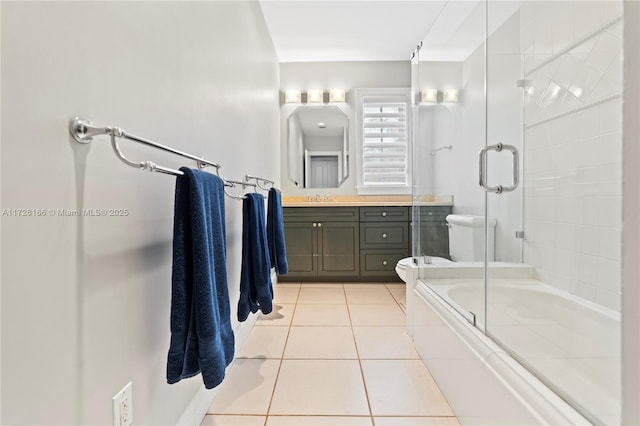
[499, 189]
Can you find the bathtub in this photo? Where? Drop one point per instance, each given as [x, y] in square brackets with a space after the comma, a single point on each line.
[557, 336]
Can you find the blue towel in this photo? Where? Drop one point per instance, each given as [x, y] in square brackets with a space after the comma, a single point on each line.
[275, 233]
[201, 335]
[256, 290]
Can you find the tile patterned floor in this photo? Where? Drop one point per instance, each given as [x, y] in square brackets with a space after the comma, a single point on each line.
[331, 354]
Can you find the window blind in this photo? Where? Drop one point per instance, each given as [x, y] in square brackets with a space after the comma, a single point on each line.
[384, 141]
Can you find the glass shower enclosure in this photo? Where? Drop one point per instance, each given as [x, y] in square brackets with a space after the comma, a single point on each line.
[518, 115]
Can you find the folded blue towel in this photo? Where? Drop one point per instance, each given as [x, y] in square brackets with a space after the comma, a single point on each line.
[201, 335]
[275, 233]
[256, 290]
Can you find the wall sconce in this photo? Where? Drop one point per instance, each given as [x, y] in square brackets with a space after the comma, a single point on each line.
[292, 96]
[337, 95]
[429, 95]
[433, 96]
[315, 96]
[450, 95]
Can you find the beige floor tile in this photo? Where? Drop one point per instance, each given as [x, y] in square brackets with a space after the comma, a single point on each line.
[247, 388]
[264, 342]
[366, 315]
[369, 296]
[396, 286]
[321, 343]
[384, 343]
[281, 315]
[321, 296]
[318, 421]
[319, 387]
[285, 295]
[222, 420]
[401, 298]
[288, 285]
[363, 285]
[321, 315]
[321, 285]
[403, 388]
[416, 421]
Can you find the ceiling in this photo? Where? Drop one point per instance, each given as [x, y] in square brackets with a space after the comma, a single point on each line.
[336, 30]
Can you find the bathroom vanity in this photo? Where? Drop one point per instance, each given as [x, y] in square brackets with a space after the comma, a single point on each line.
[358, 238]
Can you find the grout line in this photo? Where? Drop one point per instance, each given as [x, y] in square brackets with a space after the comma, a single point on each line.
[364, 382]
[284, 348]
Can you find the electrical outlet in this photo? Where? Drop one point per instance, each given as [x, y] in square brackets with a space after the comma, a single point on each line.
[123, 407]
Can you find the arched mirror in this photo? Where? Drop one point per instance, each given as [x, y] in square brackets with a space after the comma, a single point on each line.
[317, 147]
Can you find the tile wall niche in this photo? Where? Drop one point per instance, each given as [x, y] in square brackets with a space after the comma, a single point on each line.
[573, 146]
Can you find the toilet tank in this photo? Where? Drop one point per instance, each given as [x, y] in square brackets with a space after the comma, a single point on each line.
[466, 238]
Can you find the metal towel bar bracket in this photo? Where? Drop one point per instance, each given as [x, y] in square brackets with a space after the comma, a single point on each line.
[83, 131]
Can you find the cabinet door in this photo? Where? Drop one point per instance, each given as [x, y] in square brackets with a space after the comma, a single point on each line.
[302, 242]
[338, 249]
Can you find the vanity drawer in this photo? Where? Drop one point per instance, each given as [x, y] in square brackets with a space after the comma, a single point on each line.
[384, 235]
[380, 262]
[383, 214]
[320, 214]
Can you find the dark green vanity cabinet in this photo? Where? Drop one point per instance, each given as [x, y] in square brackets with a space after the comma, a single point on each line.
[322, 243]
[357, 243]
[434, 231]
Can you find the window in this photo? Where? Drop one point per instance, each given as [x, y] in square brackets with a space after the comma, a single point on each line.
[383, 138]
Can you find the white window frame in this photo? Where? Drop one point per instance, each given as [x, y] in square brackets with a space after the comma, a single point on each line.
[369, 189]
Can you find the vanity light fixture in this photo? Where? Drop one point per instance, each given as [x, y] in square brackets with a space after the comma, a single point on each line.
[429, 95]
[450, 95]
[337, 95]
[315, 96]
[292, 96]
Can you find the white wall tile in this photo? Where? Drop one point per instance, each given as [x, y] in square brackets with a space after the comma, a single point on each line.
[608, 274]
[610, 244]
[588, 270]
[587, 240]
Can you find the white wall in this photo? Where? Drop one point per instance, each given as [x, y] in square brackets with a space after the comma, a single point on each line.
[573, 163]
[338, 75]
[438, 126]
[85, 303]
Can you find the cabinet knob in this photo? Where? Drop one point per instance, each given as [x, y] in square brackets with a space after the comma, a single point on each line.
[384, 262]
[314, 224]
[384, 235]
[384, 214]
[319, 224]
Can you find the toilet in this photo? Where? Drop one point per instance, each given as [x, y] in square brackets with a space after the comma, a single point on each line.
[466, 238]
[466, 243]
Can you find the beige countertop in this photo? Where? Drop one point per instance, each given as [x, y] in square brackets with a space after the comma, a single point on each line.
[365, 200]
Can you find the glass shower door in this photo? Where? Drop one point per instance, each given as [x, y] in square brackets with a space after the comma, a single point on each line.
[448, 80]
[554, 82]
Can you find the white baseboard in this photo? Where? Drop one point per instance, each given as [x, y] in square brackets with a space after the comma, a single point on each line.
[197, 408]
